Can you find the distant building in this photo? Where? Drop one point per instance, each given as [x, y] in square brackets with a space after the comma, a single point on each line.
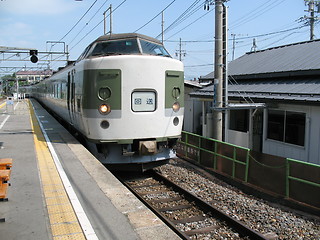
[33, 76]
[287, 80]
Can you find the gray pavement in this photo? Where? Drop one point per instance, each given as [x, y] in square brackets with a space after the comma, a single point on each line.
[113, 211]
[25, 215]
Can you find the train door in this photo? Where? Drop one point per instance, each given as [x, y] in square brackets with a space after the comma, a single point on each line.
[71, 95]
[69, 92]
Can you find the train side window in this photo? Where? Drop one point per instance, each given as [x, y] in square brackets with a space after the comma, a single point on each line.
[58, 90]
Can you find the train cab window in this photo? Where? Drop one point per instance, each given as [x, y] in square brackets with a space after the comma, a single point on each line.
[153, 49]
[119, 47]
[85, 52]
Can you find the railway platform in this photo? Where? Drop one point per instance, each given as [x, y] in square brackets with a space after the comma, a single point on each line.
[58, 190]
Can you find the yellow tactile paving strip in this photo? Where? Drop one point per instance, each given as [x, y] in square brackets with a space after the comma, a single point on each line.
[63, 221]
[2, 105]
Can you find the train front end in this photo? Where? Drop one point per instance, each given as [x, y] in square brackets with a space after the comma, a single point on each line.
[133, 100]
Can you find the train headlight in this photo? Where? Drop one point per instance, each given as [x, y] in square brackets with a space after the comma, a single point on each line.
[104, 93]
[176, 107]
[104, 109]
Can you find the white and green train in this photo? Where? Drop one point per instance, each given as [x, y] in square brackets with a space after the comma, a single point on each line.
[125, 94]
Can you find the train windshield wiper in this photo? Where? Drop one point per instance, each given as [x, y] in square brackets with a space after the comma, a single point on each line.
[106, 54]
[112, 53]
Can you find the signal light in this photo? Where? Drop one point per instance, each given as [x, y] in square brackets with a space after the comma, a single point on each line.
[33, 54]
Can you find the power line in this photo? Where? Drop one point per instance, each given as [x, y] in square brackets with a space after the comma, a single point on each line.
[200, 65]
[191, 23]
[96, 25]
[155, 16]
[256, 13]
[88, 21]
[311, 20]
[271, 33]
[79, 20]
[182, 17]
[240, 38]
[75, 24]
[271, 44]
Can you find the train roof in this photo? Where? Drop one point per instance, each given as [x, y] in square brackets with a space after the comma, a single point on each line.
[126, 36]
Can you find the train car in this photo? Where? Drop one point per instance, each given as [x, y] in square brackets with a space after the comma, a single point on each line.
[124, 94]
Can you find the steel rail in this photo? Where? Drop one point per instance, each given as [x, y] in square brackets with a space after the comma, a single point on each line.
[239, 227]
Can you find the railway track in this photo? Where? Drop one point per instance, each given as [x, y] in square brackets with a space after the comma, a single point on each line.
[189, 216]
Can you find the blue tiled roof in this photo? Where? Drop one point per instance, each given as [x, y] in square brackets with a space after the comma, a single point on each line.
[302, 56]
[267, 64]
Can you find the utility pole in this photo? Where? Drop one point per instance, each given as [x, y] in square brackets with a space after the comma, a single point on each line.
[218, 71]
[104, 21]
[254, 45]
[233, 35]
[219, 66]
[162, 27]
[233, 44]
[180, 52]
[311, 19]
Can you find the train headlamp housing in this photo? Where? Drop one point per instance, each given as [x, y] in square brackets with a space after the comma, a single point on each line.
[104, 109]
[176, 107]
[104, 93]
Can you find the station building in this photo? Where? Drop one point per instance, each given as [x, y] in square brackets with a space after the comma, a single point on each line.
[33, 76]
[286, 80]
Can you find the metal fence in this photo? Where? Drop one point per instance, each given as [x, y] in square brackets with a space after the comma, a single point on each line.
[283, 177]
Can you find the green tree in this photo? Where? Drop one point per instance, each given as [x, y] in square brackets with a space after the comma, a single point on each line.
[8, 84]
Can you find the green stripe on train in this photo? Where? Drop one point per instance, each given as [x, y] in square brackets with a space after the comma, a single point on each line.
[102, 78]
[174, 88]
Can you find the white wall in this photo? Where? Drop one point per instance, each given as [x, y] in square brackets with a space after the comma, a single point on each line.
[238, 138]
[192, 112]
[310, 152]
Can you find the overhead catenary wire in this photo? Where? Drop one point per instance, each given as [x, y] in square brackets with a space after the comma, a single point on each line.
[278, 35]
[191, 23]
[79, 20]
[97, 25]
[74, 26]
[186, 14]
[88, 21]
[155, 16]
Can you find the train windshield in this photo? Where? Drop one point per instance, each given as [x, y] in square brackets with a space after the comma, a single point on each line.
[119, 47]
[153, 49]
[128, 46]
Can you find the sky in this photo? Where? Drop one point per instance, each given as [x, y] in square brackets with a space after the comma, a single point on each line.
[32, 23]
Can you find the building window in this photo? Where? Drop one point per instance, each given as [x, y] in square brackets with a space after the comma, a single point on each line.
[286, 126]
[239, 120]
